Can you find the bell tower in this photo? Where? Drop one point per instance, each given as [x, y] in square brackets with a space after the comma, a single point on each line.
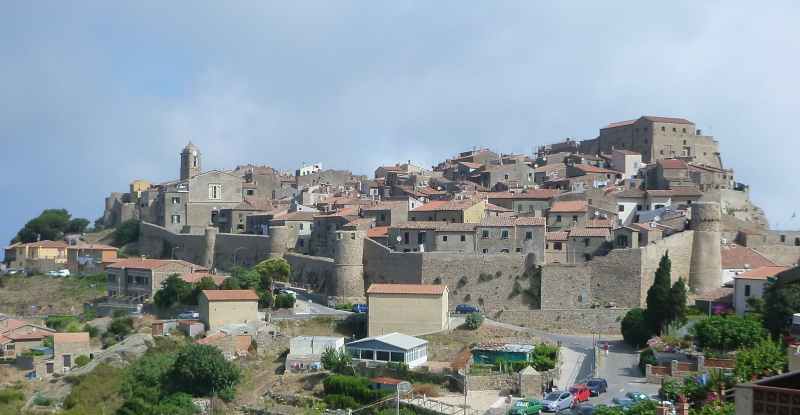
[190, 162]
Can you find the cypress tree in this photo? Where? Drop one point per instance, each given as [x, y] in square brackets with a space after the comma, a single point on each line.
[658, 297]
[677, 296]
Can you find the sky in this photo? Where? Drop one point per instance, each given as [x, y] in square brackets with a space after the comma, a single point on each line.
[97, 94]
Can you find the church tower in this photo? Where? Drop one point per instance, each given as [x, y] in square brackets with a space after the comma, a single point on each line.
[190, 162]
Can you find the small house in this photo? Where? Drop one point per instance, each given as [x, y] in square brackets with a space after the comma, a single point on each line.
[69, 346]
[389, 383]
[191, 327]
[162, 328]
[393, 347]
[490, 352]
[307, 350]
[221, 307]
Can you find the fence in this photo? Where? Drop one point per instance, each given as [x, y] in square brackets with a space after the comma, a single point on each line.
[675, 370]
[421, 405]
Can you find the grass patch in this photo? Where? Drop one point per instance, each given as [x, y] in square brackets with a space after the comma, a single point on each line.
[97, 389]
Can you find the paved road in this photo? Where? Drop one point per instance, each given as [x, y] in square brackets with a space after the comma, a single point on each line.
[309, 309]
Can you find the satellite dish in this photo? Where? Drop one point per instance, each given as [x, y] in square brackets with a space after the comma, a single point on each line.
[653, 224]
[657, 218]
[747, 265]
[535, 166]
[399, 238]
[439, 188]
[611, 164]
[544, 159]
[596, 213]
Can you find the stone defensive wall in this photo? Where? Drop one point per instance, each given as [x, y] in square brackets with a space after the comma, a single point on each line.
[600, 320]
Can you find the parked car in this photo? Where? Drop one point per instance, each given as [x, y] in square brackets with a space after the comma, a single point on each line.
[360, 308]
[557, 401]
[582, 409]
[580, 393]
[51, 273]
[597, 386]
[10, 271]
[668, 404]
[279, 290]
[135, 314]
[637, 396]
[189, 315]
[466, 309]
[526, 407]
[622, 402]
[63, 273]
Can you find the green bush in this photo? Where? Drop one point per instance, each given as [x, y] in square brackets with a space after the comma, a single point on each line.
[33, 353]
[43, 401]
[121, 326]
[47, 341]
[340, 402]
[474, 320]
[82, 360]
[437, 280]
[92, 330]
[532, 291]
[517, 287]
[358, 388]
[725, 333]
[647, 357]
[199, 369]
[59, 323]
[464, 280]
[228, 394]
[635, 329]
[10, 395]
[127, 232]
[284, 301]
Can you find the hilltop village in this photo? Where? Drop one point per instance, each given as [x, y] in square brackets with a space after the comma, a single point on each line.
[548, 248]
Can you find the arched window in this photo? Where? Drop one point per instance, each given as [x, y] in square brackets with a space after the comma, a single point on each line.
[797, 241]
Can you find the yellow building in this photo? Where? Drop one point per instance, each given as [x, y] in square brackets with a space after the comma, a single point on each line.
[410, 309]
[461, 211]
[136, 188]
[220, 307]
[42, 256]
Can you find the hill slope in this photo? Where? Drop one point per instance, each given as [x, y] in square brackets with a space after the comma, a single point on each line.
[50, 295]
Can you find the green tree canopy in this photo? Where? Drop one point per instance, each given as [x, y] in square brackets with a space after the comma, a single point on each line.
[635, 328]
[205, 283]
[335, 360]
[173, 289]
[765, 356]
[78, 225]
[726, 333]
[677, 298]
[230, 283]
[199, 369]
[780, 302]
[659, 307]
[127, 232]
[275, 269]
[51, 225]
[474, 320]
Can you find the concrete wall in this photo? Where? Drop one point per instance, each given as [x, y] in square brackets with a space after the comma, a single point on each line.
[410, 314]
[562, 286]
[219, 313]
[602, 320]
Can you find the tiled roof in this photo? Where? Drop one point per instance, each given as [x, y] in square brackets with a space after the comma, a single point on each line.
[594, 169]
[197, 276]
[672, 164]
[230, 295]
[599, 223]
[260, 203]
[619, 124]
[526, 195]
[506, 221]
[45, 244]
[660, 193]
[392, 168]
[736, 257]
[457, 205]
[387, 381]
[588, 157]
[548, 167]
[668, 120]
[139, 263]
[386, 205]
[471, 165]
[93, 246]
[441, 226]
[406, 289]
[11, 323]
[340, 212]
[719, 295]
[556, 236]
[588, 232]
[189, 322]
[249, 185]
[213, 338]
[632, 153]
[359, 221]
[300, 215]
[579, 206]
[38, 335]
[430, 206]
[4, 340]
[378, 232]
[70, 337]
[761, 273]
[494, 208]
[749, 232]
[686, 191]
[629, 192]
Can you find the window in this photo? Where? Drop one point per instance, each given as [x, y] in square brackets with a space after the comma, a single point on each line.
[504, 234]
[176, 200]
[366, 354]
[112, 277]
[301, 226]
[783, 238]
[530, 208]
[519, 249]
[587, 257]
[463, 238]
[504, 251]
[519, 208]
[528, 234]
[587, 241]
[621, 208]
[574, 218]
[684, 130]
[413, 219]
[725, 176]
[10, 346]
[485, 233]
[638, 208]
[557, 246]
[684, 141]
[383, 218]
[214, 191]
[674, 130]
[637, 131]
[311, 227]
[661, 152]
[506, 177]
[747, 290]
[663, 128]
[240, 227]
[558, 218]
[633, 184]
[635, 164]
[302, 242]
[485, 251]
[444, 238]
[251, 192]
[176, 218]
[544, 206]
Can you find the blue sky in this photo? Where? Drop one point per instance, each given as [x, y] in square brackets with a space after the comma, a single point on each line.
[94, 95]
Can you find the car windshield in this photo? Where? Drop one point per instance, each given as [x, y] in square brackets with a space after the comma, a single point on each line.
[637, 395]
[522, 404]
[552, 396]
[574, 390]
[624, 401]
[593, 383]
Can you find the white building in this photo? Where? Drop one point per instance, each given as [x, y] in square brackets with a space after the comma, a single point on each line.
[751, 283]
[393, 347]
[737, 259]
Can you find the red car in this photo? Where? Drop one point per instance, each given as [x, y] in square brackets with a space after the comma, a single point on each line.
[580, 393]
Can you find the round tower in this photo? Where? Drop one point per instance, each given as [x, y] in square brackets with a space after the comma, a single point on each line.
[190, 161]
[210, 241]
[280, 240]
[347, 283]
[705, 270]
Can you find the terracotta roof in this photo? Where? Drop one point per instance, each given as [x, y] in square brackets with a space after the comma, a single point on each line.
[213, 337]
[749, 232]
[406, 289]
[556, 236]
[4, 340]
[593, 169]
[526, 195]
[579, 206]
[300, 215]
[197, 276]
[392, 168]
[386, 205]
[761, 273]
[439, 225]
[45, 244]
[668, 120]
[494, 208]
[189, 322]
[672, 164]
[506, 221]
[629, 192]
[471, 165]
[12, 323]
[70, 337]
[93, 246]
[28, 336]
[230, 295]
[661, 193]
[147, 263]
[13, 245]
[619, 124]
[260, 203]
[340, 212]
[388, 381]
[588, 232]
[736, 257]
[359, 221]
[248, 185]
[686, 191]
[632, 153]
[599, 223]
[457, 205]
[137, 181]
[378, 232]
[719, 295]
[430, 206]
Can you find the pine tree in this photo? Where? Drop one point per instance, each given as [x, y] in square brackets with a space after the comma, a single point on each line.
[658, 297]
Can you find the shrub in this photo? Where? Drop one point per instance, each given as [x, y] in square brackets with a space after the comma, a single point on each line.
[437, 280]
[10, 395]
[532, 291]
[82, 360]
[464, 280]
[480, 300]
[33, 353]
[498, 274]
[340, 401]
[59, 323]
[357, 387]
[47, 341]
[647, 357]
[335, 360]
[199, 369]
[517, 288]
[468, 297]
[284, 301]
[265, 300]
[228, 394]
[474, 320]
[127, 232]
[92, 330]
[43, 401]
[635, 329]
[121, 326]
[426, 388]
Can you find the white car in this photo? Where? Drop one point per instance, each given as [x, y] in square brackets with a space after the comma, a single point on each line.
[63, 273]
[51, 273]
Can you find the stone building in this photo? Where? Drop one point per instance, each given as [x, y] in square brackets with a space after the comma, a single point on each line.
[220, 307]
[387, 213]
[424, 308]
[556, 247]
[585, 244]
[504, 235]
[566, 215]
[705, 273]
[531, 201]
[136, 280]
[461, 211]
[751, 283]
[69, 346]
[493, 175]
[300, 225]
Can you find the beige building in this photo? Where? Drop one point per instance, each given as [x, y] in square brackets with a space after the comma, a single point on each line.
[410, 309]
[42, 256]
[69, 346]
[220, 307]
[461, 211]
[90, 258]
[136, 280]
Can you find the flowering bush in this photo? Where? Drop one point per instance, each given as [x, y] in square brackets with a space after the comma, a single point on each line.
[723, 310]
[656, 344]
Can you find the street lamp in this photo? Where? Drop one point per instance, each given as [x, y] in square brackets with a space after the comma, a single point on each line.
[464, 383]
[173, 252]
[234, 255]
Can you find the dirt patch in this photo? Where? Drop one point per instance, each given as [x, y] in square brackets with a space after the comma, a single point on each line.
[444, 347]
[50, 295]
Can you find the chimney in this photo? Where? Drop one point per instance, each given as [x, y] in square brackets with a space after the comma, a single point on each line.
[699, 132]
[142, 259]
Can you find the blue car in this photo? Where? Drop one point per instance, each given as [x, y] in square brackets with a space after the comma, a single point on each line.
[466, 309]
[360, 308]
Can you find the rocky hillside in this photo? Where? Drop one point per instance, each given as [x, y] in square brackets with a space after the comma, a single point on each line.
[50, 295]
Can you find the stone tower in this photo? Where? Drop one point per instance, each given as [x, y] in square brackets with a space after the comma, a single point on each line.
[190, 162]
[705, 270]
[347, 283]
[209, 245]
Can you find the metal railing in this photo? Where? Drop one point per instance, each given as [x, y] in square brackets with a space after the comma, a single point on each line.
[439, 406]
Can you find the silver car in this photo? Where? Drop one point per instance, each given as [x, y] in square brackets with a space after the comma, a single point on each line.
[557, 401]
